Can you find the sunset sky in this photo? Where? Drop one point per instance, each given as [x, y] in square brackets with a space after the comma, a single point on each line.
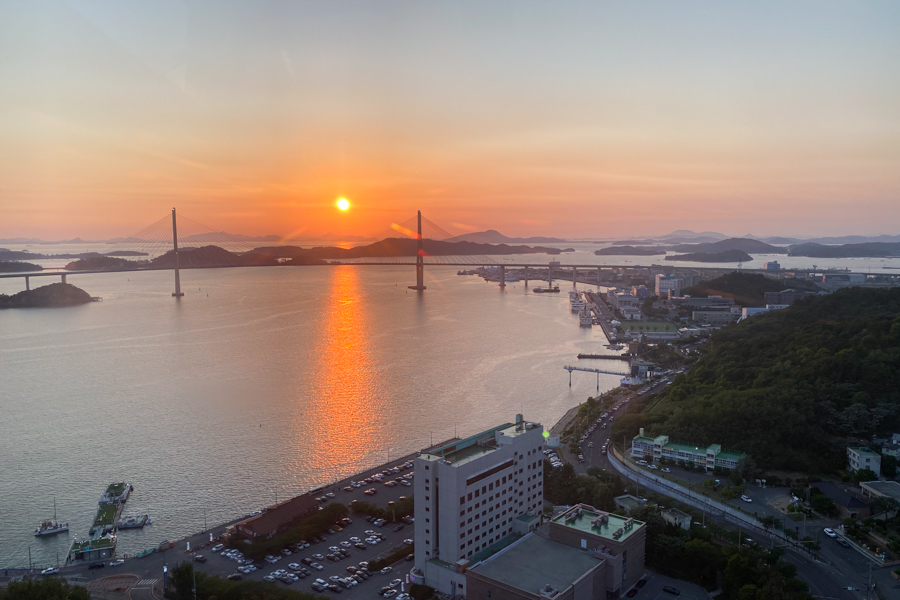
[589, 119]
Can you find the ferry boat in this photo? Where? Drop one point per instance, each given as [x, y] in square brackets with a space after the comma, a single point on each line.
[576, 303]
[51, 526]
[547, 290]
[585, 318]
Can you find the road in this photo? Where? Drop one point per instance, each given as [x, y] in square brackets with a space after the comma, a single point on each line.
[840, 568]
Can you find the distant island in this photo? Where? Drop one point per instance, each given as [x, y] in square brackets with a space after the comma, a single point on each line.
[630, 251]
[492, 236]
[870, 249]
[214, 256]
[747, 289]
[727, 256]
[15, 266]
[55, 295]
[743, 244]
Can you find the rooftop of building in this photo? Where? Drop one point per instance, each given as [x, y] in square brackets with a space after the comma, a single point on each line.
[864, 451]
[584, 521]
[839, 495]
[675, 513]
[889, 489]
[534, 562]
[463, 451]
[280, 515]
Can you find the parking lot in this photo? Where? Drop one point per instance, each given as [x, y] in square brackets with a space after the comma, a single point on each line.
[217, 564]
[654, 589]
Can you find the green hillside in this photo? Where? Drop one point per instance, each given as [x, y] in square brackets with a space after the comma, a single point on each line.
[792, 387]
[747, 289]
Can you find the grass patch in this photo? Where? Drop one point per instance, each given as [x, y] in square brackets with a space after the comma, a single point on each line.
[106, 515]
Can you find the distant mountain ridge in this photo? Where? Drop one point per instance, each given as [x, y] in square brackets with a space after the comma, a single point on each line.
[743, 244]
[492, 236]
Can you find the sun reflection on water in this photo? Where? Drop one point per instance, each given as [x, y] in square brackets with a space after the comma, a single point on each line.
[342, 416]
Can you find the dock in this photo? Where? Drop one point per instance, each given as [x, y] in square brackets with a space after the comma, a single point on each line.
[604, 315]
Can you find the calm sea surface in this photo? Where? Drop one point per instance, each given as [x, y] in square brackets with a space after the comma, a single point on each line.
[260, 381]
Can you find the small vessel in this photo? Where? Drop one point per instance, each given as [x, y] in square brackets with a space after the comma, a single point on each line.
[547, 290]
[51, 526]
[576, 303]
[585, 318]
[133, 522]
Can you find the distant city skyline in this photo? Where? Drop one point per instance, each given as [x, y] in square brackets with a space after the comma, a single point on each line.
[583, 120]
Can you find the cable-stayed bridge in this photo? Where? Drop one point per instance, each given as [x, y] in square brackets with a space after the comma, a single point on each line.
[178, 242]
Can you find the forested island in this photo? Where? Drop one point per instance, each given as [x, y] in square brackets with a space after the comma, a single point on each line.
[869, 249]
[214, 256]
[54, 295]
[792, 387]
[726, 256]
[629, 251]
[15, 266]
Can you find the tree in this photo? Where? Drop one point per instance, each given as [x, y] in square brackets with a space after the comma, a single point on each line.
[864, 475]
[44, 589]
[746, 467]
[889, 466]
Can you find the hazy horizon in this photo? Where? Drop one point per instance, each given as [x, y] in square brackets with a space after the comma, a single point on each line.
[583, 120]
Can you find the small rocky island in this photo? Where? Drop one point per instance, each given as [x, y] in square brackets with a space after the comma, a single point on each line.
[54, 295]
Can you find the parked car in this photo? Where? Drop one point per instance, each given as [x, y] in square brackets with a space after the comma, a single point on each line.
[117, 563]
[671, 590]
[235, 577]
[386, 570]
[830, 533]
[217, 547]
[199, 558]
[746, 498]
[50, 571]
[97, 565]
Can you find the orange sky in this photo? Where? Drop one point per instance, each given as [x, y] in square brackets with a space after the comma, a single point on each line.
[588, 120]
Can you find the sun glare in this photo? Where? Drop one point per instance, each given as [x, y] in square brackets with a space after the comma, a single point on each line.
[343, 203]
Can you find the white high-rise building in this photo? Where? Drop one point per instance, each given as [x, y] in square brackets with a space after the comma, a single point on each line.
[667, 282]
[472, 496]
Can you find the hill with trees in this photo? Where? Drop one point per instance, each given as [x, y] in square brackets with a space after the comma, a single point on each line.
[743, 244]
[747, 289]
[735, 256]
[15, 266]
[868, 249]
[54, 295]
[791, 387]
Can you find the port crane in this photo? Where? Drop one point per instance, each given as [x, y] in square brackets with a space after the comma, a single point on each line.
[590, 370]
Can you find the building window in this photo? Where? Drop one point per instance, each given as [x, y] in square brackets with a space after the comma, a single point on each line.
[462, 513]
[462, 499]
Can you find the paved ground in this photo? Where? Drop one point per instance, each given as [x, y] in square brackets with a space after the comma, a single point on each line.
[148, 571]
[653, 590]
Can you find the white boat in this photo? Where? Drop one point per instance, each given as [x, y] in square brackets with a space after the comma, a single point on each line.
[51, 526]
[576, 303]
[585, 317]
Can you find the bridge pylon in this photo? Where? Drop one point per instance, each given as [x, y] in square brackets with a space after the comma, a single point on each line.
[178, 293]
[420, 259]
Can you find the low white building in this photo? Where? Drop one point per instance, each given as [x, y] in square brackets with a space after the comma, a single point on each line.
[864, 458]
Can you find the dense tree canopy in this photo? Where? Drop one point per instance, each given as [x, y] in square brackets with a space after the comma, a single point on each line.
[791, 387]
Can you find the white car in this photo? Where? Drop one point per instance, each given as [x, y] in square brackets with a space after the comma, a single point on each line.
[746, 498]
[654, 467]
[355, 540]
[294, 567]
[386, 570]
[666, 470]
[830, 533]
[317, 566]
[346, 544]
[117, 563]
[217, 547]
[50, 571]
[334, 549]
[269, 578]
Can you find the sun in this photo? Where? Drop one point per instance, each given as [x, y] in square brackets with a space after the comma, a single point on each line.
[343, 203]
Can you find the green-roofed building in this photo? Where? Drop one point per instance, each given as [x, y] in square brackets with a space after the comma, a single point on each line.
[653, 449]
